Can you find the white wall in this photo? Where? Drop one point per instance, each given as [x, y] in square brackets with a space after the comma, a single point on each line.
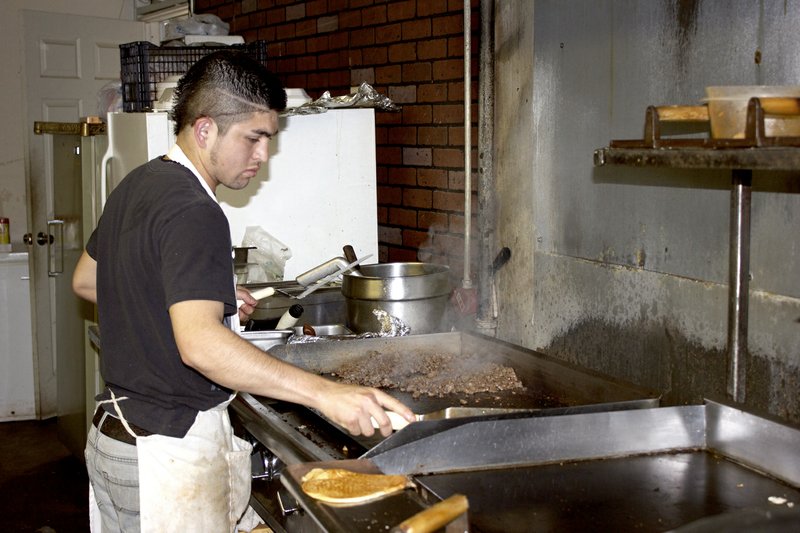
[13, 134]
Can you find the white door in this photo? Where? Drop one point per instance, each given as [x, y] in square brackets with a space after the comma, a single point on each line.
[68, 59]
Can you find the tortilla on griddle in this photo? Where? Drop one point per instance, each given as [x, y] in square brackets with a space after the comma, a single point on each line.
[337, 485]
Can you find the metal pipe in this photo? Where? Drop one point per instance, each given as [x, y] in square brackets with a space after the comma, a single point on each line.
[487, 307]
[467, 280]
[739, 283]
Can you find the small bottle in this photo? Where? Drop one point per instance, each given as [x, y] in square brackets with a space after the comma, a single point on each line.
[290, 317]
[5, 235]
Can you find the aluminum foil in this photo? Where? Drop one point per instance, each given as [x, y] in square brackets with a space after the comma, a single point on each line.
[390, 326]
[366, 96]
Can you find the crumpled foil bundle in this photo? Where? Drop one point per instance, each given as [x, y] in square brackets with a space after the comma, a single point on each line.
[390, 326]
[366, 96]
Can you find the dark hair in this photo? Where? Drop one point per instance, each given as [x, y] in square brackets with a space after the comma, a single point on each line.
[226, 86]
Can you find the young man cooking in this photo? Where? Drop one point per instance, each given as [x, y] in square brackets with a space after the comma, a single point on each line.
[161, 455]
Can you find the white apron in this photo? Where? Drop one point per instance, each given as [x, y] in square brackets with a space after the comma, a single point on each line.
[198, 483]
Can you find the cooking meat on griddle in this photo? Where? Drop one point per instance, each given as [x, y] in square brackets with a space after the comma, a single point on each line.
[430, 374]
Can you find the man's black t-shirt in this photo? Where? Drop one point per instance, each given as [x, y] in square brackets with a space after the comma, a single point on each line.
[161, 240]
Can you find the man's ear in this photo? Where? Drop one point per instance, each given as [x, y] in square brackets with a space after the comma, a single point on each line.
[204, 128]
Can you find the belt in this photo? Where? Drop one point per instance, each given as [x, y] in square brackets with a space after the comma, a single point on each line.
[112, 427]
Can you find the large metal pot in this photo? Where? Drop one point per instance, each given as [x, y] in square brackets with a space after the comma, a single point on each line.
[416, 293]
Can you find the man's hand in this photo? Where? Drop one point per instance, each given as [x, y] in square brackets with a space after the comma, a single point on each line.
[354, 407]
[249, 305]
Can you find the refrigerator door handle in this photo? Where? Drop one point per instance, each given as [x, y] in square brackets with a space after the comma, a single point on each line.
[105, 175]
[55, 264]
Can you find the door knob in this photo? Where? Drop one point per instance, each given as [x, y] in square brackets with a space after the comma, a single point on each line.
[28, 238]
[44, 238]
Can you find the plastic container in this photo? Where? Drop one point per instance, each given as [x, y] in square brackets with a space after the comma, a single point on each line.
[727, 110]
[144, 64]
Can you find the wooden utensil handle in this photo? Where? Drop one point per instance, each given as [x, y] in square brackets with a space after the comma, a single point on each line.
[780, 105]
[682, 113]
[434, 517]
[349, 253]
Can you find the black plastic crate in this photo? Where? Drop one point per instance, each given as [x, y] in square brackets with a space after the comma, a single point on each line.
[143, 64]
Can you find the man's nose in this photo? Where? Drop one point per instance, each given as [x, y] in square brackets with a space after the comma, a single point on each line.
[261, 152]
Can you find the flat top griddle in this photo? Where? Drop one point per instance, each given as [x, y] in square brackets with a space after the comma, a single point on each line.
[645, 493]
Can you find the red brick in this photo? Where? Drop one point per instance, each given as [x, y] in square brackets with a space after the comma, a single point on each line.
[373, 15]
[388, 34]
[448, 114]
[432, 92]
[248, 6]
[414, 239]
[403, 52]
[362, 37]
[388, 75]
[449, 25]
[266, 34]
[374, 55]
[295, 12]
[456, 223]
[432, 219]
[448, 201]
[356, 57]
[402, 135]
[307, 27]
[339, 39]
[432, 136]
[383, 215]
[448, 69]
[432, 177]
[317, 44]
[420, 157]
[390, 195]
[285, 31]
[361, 3]
[393, 117]
[401, 255]
[416, 114]
[316, 8]
[448, 157]
[403, 217]
[335, 6]
[417, 198]
[333, 60]
[432, 49]
[456, 178]
[403, 176]
[432, 7]
[274, 16]
[381, 174]
[340, 81]
[297, 47]
[402, 10]
[387, 155]
[297, 80]
[416, 29]
[416, 72]
[350, 19]
[307, 63]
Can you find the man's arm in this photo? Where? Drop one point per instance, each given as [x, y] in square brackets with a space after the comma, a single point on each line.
[84, 280]
[215, 351]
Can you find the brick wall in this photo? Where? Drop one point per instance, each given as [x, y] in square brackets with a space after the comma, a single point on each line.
[412, 51]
